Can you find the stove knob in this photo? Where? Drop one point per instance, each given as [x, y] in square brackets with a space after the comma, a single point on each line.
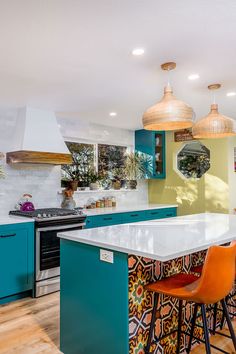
[49, 215]
[44, 215]
[39, 216]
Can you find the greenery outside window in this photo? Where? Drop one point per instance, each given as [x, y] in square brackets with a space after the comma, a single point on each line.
[93, 162]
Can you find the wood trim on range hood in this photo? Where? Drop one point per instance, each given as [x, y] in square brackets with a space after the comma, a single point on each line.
[38, 157]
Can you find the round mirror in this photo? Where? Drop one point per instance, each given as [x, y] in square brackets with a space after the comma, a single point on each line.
[193, 160]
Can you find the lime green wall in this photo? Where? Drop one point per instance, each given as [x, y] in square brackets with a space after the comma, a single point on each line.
[209, 193]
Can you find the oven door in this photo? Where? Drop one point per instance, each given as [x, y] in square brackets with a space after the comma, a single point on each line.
[48, 250]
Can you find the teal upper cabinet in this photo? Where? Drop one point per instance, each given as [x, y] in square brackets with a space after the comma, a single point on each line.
[16, 259]
[152, 143]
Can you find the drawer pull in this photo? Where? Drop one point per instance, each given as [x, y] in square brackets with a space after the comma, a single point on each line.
[133, 215]
[170, 214]
[5, 236]
[154, 213]
[107, 219]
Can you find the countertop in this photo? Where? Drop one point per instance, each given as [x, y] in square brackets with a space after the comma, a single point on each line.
[125, 209]
[10, 220]
[163, 239]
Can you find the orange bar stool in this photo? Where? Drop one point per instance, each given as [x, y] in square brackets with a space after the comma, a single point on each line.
[198, 270]
[203, 290]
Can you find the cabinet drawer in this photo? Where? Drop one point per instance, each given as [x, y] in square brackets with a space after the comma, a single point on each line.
[160, 213]
[103, 220]
[134, 216]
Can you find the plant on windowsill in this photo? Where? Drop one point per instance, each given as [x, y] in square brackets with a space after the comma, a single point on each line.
[137, 166]
[94, 178]
[118, 178]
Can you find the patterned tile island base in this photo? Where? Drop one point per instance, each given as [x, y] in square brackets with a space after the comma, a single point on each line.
[143, 271]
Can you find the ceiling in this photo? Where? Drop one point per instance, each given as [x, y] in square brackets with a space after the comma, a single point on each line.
[74, 56]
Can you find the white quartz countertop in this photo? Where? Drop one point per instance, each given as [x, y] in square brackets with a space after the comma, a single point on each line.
[163, 239]
[125, 209]
[11, 219]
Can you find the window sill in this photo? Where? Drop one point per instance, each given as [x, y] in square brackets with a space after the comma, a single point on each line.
[103, 191]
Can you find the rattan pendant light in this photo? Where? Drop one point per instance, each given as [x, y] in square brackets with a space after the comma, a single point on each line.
[170, 113]
[214, 125]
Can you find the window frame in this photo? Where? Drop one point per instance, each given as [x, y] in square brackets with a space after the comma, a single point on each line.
[130, 148]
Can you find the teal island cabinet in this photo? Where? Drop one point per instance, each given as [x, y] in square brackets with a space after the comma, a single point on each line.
[104, 305]
[16, 259]
[152, 144]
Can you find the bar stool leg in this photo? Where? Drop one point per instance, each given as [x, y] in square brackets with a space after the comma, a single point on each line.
[205, 328]
[152, 325]
[179, 326]
[192, 328]
[222, 321]
[229, 323]
[214, 319]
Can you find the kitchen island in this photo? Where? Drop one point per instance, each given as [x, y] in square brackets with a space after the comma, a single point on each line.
[104, 307]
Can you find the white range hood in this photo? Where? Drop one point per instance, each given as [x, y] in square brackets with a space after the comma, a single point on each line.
[38, 139]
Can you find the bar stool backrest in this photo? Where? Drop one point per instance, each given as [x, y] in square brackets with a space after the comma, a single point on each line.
[218, 274]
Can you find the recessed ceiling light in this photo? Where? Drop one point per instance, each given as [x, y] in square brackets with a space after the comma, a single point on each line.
[231, 94]
[193, 77]
[138, 51]
[113, 114]
[59, 126]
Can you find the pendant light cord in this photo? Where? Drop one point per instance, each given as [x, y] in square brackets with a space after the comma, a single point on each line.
[168, 77]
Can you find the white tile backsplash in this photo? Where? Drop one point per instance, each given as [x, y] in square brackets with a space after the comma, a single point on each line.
[123, 198]
[43, 181]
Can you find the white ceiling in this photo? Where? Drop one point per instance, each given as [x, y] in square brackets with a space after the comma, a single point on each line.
[74, 56]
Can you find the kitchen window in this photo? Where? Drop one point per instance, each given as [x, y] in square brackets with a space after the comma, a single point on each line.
[110, 159]
[90, 159]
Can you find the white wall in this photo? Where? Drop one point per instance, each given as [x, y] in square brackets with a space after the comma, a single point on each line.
[43, 181]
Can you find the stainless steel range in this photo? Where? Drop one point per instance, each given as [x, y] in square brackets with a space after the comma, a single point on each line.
[49, 222]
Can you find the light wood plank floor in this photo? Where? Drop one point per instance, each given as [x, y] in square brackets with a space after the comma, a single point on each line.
[31, 326]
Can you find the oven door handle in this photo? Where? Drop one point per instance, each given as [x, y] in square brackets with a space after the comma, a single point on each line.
[65, 227]
[48, 282]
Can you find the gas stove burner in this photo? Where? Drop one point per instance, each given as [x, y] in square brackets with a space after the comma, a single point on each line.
[48, 213]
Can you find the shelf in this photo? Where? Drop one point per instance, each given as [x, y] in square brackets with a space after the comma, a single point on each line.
[103, 191]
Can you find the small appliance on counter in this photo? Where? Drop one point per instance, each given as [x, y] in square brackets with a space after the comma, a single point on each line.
[25, 203]
[48, 223]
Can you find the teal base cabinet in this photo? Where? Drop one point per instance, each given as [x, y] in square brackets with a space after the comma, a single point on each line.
[16, 260]
[134, 216]
[94, 301]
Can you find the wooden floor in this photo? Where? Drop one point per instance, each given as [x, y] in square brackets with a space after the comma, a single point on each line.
[31, 326]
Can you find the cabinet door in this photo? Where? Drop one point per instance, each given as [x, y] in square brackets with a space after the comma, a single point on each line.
[152, 143]
[16, 259]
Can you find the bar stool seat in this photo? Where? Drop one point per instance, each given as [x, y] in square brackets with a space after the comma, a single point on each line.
[202, 290]
[178, 286]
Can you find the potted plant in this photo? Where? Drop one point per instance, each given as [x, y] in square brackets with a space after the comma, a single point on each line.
[117, 176]
[137, 166]
[70, 178]
[93, 179]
